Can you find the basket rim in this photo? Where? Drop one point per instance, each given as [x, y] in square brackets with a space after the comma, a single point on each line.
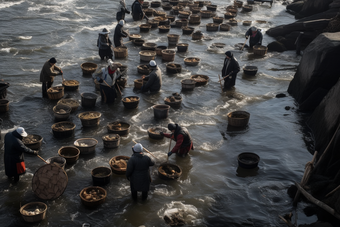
[131, 96]
[86, 112]
[115, 157]
[247, 114]
[68, 157]
[115, 134]
[121, 122]
[66, 100]
[93, 187]
[68, 110]
[248, 153]
[102, 167]
[32, 204]
[40, 138]
[65, 122]
[77, 140]
[77, 84]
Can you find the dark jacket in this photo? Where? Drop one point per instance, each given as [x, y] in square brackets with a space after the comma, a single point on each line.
[104, 42]
[233, 67]
[257, 40]
[183, 140]
[118, 36]
[154, 81]
[137, 172]
[137, 11]
[14, 148]
[48, 72]
[121, 14]
[186, 136]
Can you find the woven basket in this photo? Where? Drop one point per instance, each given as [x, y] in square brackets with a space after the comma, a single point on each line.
[134, 36]
[212, 8]
[247, 8]
[29, 207]
[212, 27]
[92, 203]
[88, 100]
[218, 20]
[176, 9]
[232, 9]
[120, 52]
[111, 140]
[201, 80]
[174, 2]
[188, 84]
[145, 27]
[147, 55]
[192, 5]
[173, 39]
[250, 70]
[4, 105]
[187, 30]
[159, 51]
[61, 112]
[184, 14]
[260, 50]
[200, 3]
[115, 168]
[155, 4]
[138, 83]
[229, 15]
[182, 47]
[173, 68]
[181, 23]
[238, 118]
[55, 93]
[168, 55]
[138, 42]
[167, 7]
[130, 102]
[191, 61]
[197, 36]
[153, 23]
[119, 127]
[33, 141]
[86, 145]
[149, 46]
[88, 68]
[149, 12]
[205, 13]
[101, 175]
[63, 129]
[164, 28]
[238, 4]
[70, 153]
[225, 27]
[73, 103]
[168, 171]
[171, 18]
[195, 19]
[232, 22]
[247, 22]
[71, 85]
[90, 118]
[174, 103]
[145, 5]
[158, 13]
[196, 10]
[144, 69]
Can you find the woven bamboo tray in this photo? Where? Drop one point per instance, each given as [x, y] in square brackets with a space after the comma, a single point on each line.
[201, 80]
[49, 182]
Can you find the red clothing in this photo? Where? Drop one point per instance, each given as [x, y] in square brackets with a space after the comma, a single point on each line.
[177, 148]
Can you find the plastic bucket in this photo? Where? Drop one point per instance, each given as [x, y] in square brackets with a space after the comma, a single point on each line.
[88, 99]
[161, 111]
[101, 176]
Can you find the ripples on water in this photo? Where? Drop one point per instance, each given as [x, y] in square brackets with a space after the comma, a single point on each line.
[212, 188]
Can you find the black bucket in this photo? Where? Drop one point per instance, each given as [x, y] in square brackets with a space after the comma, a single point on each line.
[161, 111]
[88, 99]
[248, 160]
[3, 90]
[101, 176]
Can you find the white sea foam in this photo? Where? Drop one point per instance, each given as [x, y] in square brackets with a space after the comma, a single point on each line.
[9, 4]
[7, 50]
[25, 37]
[189, 212]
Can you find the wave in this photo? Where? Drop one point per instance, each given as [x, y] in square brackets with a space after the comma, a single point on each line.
[9, 4]
[25, 37]
[7, 50]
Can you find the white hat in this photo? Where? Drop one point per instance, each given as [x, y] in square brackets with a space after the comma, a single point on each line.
[109, 62]
[21, 131]
[152, 63]
[138, 148]
[121, 22]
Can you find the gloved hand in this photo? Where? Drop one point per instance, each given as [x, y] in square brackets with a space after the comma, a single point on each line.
[169, 154]
[127, 11]
[161, 133]
[35, 152]
[246, 37]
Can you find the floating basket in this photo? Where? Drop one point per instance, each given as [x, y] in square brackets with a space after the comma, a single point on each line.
[195, 19]
[101, 176]
[58, 161]
[225, 27]
[176, 9]
[158, 13]
[174, 2]
[173, 68]
[250, 70]
[196, 10]
[201, 80]
[260, 50]
[168, 55]
[70, 153]
[197, 36]
[173, 39]
[168, 171]
[212, 27]
[118, 127]
[164, 28]
[154, 133]
[145, 5]
[29, 213]
[218, 45]
[63, 129]
[149, 12]
[206, 13]
[74, 104]
[182, 47]
[174, 101]
[93, 201]
[232, 9]
[191, 61]
[261, 21]
[248, 160]
[61, 112]
[4, 105]
[184, 14]
[171, 18]
[118, 164]
[187, 30]
[111, 140]
[181, 23]
[238, 4]
[90, 118]
[55, 93]
[200, 3]
[232, 22]
[163, 20]
[247, 22]
[131, 102]
[155, 4]
[153, 23]
[147, 55]
[218, 20]
[238, 118]
[88, 100]
[86, 145]
[229, 15]
[71, 85]
[138, 42]
[188, 84]
[247, 8]
[120, 52]
[167, 7]
[134, 36]
[161, 111]
[149, 46]
[144, 27]
[33, 141]
[143, 69]
[192, 5]
[88, 68]
[159, 52]
[138, 83]
[212, 8]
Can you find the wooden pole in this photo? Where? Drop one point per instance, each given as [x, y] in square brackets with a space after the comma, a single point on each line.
[225, 76]
[42, 159]
[146, 150]
[334, 190]
[220, 82]
[287, 221]
[244, 44]
[317, 202]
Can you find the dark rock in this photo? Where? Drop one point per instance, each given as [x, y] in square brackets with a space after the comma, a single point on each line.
[276, 46]
[295, 7]
[313, 7]
[287, 107]
[313, 100]
[281, 95]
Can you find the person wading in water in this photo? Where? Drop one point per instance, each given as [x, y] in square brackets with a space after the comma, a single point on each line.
[47, 74]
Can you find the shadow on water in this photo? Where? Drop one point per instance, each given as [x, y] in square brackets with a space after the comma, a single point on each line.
[242, 172]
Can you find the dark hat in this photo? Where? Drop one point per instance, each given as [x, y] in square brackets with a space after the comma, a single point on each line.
[172, 126]
[53, 60]
[229, 54]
